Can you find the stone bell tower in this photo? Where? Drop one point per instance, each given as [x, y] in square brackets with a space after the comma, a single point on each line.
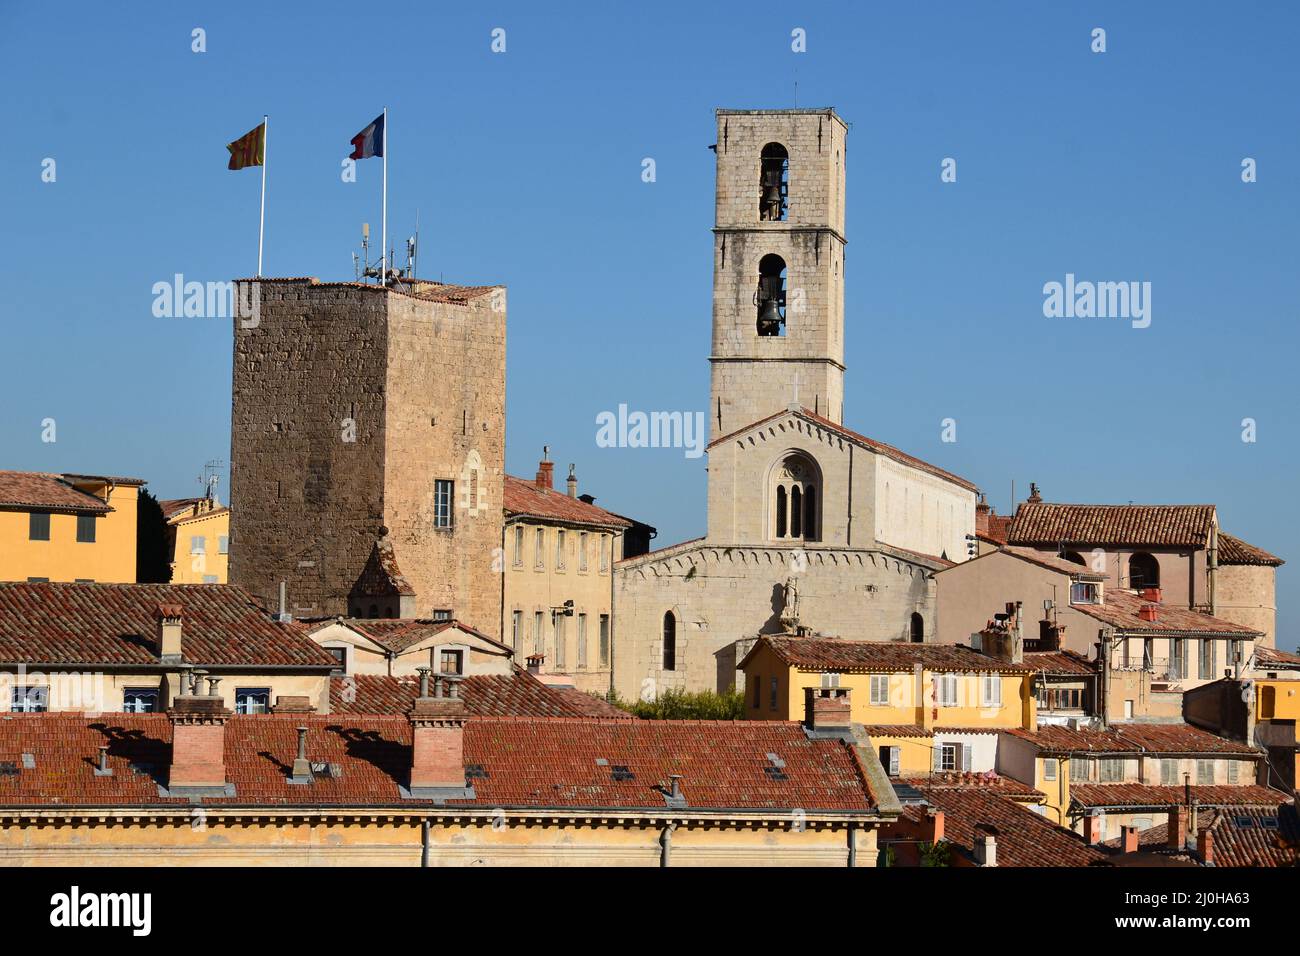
[778, 266]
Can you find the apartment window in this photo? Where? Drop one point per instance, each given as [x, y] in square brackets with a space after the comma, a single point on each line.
[1049, 770]
[991, 690]
[210, 579]
[949, 756]
[1112, 770]
[517, 632]
[223, 544]
[140, 700]
[1177, 658]
[604, 552]
[519, 546]
[1206, 661]
[559, 550]
[252, 700]
[444, 492]
[539, 549]
[1083, 593]
[772, 694]
[86, 529]
[38, 526]
[1234, 651]
[879, 690]
[604, 640]
[560, 640]
[582, 551]
[442, 614]
[198, 544]
[451, 661]
[890, 759]
[946, 686]
[47, 581]
[1205, 773]
[340, 655]
[538, 646]
[582, 641]
[1168, 773]
[1232, 771]
[29, 700]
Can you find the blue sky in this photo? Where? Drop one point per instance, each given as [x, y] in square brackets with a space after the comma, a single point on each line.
[525, 168]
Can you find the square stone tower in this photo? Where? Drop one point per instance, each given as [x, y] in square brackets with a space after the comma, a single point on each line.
[778, 266]
[367, 449]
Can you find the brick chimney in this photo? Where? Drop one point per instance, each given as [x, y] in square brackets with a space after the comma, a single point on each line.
[198, 745]
[1205, 846]
[572, 482]
[1130, 839]
[1094, 824]
[546, 470]
[935, 818]
[1177, 827]
[827, 708]
[982, 512]
[1149, 612]
[438, 741]
[169, 631]
[535, 662]
[986, 844]
[1034, 496]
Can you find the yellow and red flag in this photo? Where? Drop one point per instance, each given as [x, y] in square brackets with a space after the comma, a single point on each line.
[249, 149]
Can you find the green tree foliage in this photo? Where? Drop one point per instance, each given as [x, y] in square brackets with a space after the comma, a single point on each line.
[153, 563]
[686, 705]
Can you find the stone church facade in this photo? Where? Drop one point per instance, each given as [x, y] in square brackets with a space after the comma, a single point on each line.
[812, 527]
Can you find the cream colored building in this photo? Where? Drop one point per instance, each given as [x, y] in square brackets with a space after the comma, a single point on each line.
[198, 539]
[558, 554]
[798, 504]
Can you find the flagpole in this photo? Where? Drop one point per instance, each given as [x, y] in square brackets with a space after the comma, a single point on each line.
[261, 225]
[383, 228]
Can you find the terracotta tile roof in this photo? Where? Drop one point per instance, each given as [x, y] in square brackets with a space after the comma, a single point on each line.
[1132, 738]
[46, 492]
[519, 762]
[518, 694]
[990, 782]
[1235, 551]
[998, 528]
[110, 479]
[522, 498]
[896, 730]
[1054, 563]
[589, 705]
[1121, 611]
[1173, 526]
[1023, 837]
[1090, 795]
[1270, 658]
[880, 448]
[818, 653]
[174, 506]
[44, 624]
[1060, 663]
[381, 577]
[1255, 836]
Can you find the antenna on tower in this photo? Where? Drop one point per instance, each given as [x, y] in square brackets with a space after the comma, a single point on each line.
[364, 270]
[211, 478]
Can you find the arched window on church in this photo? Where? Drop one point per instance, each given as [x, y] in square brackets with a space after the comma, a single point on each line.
[918, 628]
[670, 641]
[774, 183]
[769, 297]
[1143, 571]
[795, 498]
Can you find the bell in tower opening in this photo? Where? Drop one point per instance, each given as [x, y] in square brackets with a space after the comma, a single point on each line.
[773, 184]
[770, 295]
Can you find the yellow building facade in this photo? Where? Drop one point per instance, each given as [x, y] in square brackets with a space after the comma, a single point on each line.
[198, 533]
[67, 527]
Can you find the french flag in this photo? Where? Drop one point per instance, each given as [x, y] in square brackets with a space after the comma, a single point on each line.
[370, 141]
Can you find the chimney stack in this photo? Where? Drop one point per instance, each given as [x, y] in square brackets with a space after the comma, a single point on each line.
[1034, 496]
[986, 844]
[982, 512]
[572, 482]
[827, 709]
[198, 765]
[1130, 839]
[438, 743]
[546, 470]
[1205, 846]
[936, 824]
[169, 632]
[1094, 824]
[535, 662]
[301, 765]
[1177, 827]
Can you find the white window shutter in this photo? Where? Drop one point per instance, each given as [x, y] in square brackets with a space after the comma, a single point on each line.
[938, 757]
[894, 754]
[966, 759]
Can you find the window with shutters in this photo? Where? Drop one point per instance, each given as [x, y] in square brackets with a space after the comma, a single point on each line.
[560, 640]
[582, 551]
[539, 646]
[991, 690]
[1233, 766]
[198, 544]
[38, 526]
[519, 546]
[771, 703]
[1206, 660]
[582, 641]
[1049, 769]
[890, 759]
[947, 689]
[223, 544]
[1168, 772]
[604, 552]
[1112, 770]
[539, 549]
[559, 549]
[604, 640]
[517, 632]
[1205, 773]
[86, 529]
[879, 690]
[949, 757]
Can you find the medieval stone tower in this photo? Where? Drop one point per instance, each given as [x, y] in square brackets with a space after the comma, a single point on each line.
[367, 449]
[778, 266]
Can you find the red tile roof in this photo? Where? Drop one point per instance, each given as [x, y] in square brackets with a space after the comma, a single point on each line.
[399, 633]
[44, 624]
[1054, 563]
[522, 498]
[880, 448]
[1132, 738]
[1060, 663]
[46, 492]
[1122, 611]
[1090, 795]
[1023, 837]
[1270, 658]
[174, 506]
[1242, 839]
[896, 730]
[590, 705]
[1235, 551]
[518, 694]
[1171, 526]
[518, 763]
[817, 653]
[989, 781]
